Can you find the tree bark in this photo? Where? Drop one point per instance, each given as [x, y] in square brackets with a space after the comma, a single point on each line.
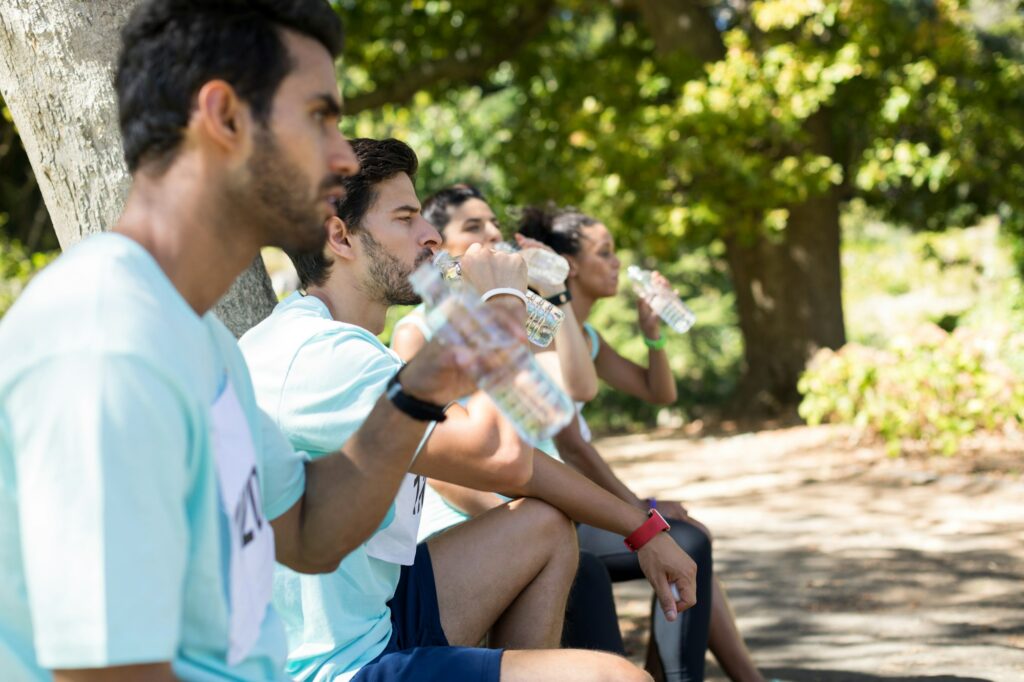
[788, 290]
[56, 76]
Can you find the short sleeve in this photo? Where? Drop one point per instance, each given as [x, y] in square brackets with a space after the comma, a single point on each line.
[101, 454]
[332, 385]
[283, 475]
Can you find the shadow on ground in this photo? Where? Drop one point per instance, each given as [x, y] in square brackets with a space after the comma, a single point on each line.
[841, 567]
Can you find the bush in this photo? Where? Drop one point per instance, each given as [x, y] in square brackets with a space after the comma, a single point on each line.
[930, 387]
[17, 267]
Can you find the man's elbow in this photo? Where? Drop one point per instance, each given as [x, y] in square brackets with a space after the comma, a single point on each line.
[319, 562]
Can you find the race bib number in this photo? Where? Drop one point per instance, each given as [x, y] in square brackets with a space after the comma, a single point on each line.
[252, 539]
[396, 544]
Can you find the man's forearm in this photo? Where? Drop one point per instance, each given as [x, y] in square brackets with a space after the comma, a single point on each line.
[349, 492]
[579, 498]
[583, 457]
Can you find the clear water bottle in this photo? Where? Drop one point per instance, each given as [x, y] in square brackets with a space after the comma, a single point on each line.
[542, 318]
[503, 368]
[545, 268]
[663, 301]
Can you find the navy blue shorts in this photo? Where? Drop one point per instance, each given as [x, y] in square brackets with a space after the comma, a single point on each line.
[418, 650]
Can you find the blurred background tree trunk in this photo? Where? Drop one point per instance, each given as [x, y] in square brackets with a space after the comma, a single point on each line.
[788, 287]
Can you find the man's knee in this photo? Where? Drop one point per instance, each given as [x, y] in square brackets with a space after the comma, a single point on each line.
[612, 668]
[548, 524]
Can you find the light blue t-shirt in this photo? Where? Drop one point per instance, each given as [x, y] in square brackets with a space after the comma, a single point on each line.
[125, 421]
[319, 379]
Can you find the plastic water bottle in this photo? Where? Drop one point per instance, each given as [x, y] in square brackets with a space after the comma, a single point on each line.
[542, 318]
[663, 301]
[503, 368]
[544, 267]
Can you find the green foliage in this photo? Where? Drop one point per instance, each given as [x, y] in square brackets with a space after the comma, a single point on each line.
[931, 387]
[935, 353]
[17, 266]
[920, 107]
[911, 109]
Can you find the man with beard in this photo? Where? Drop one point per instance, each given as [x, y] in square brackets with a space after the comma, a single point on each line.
[392, 610]
[143, 495]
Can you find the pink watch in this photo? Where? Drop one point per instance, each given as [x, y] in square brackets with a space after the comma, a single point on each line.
[654, 524]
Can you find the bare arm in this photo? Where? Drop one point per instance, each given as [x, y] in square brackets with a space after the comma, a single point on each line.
[584, 457]
[150, 672]
[469, 501]
[582, 500]
[475, 446]
[575, 372]
[348, 492]
[654, 383]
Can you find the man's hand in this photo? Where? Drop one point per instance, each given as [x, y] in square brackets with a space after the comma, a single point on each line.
[664, 563]
[439, 374]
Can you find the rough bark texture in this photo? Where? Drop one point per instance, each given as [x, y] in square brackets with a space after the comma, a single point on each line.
[56, 62]
[56, 76]
[788, 292]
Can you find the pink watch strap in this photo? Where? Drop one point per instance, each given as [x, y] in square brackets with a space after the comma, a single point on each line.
[654, 524]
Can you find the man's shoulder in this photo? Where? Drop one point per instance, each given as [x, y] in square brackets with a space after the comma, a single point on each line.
[105, 296]
[301, 326]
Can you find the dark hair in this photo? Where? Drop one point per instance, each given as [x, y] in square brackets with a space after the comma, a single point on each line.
[559, 228]
[379, 160]
[171, 48]
[437, 209]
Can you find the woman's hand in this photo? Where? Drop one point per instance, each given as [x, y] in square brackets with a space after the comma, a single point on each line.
[650, 323]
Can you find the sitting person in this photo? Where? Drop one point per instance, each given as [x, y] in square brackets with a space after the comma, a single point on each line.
[464, 218]
[392, 610]
[594, 274]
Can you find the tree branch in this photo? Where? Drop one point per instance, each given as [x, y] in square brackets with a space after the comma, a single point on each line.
[461, 68]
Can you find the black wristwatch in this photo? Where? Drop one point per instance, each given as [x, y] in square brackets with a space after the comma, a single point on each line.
[559, 299]
[419, 410]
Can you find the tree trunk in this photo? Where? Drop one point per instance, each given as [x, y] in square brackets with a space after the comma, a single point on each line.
[789, 298]
[788, 291]
[56, 76]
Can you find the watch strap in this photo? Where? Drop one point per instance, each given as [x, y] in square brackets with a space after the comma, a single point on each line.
[654, 524]
[417, 409]
[559, 299]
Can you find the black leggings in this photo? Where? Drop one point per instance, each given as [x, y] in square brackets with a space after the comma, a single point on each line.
[682, 644]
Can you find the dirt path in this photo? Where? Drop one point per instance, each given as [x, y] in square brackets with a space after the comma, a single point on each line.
[843, 564]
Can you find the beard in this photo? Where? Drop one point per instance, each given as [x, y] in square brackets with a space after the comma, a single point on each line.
[388, 279]
[278, 198]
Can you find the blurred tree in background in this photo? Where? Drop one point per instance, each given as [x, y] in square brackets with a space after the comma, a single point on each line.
[742, 126]
[732, 130]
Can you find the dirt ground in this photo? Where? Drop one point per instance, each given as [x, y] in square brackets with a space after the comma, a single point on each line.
[844, 564]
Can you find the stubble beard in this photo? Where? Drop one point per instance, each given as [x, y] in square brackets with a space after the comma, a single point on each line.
[387, 279]
[280, 199]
